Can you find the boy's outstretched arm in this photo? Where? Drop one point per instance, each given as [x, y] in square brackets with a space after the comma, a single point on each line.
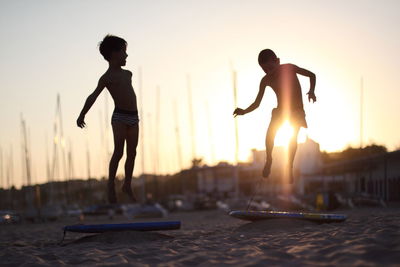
[89, 102]
[304, 72]
[256, 103]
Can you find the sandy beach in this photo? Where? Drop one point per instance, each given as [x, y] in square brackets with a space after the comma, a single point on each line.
[369, 237]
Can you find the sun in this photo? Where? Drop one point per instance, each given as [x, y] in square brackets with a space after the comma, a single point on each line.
[284, 135]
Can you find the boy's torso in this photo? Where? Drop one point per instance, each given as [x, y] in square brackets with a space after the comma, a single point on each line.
[287, 87]
[119, 84]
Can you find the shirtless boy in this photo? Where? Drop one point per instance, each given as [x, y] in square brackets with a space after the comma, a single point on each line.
[125, 119]
[282, 78]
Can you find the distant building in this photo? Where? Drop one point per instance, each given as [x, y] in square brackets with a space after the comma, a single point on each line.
[376, 177]
[220, 180]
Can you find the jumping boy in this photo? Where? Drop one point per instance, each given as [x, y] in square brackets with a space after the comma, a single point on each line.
[284, 82]
[125, 119]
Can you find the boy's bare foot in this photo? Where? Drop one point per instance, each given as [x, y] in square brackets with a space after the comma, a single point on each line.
[267, 169]
[112, 196]
[126, 188]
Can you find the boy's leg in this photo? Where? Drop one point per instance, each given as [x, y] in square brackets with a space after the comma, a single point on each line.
[269, 146]
[131, 144]
[292, 151]
[119, 132]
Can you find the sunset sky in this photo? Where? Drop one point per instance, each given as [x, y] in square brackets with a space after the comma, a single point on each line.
[50, 48]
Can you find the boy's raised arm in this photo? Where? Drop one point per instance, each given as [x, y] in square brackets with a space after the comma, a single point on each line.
[304, 72]
[256, 103]
[89, 102]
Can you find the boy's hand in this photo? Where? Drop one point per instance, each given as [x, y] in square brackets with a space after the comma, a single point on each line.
[311, 96]
[81, 121]
[238, 111]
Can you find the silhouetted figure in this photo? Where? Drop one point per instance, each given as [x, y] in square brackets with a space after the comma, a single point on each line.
[283, 80]
[125, 119]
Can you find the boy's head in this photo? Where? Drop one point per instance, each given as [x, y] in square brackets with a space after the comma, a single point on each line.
[268, 60]
[113, 48]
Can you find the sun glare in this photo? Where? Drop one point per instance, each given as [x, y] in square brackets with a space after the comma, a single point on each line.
[284, 134]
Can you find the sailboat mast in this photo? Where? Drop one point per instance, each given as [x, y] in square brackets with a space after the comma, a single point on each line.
[102, 138]
[141, 117]
[141, 131]
[70, 162]
[157, 169]
[10, 168]
[59, 143]
[106, 132]
[236, 121]
[62, 140]
[47, 159]
[87, 160]
[178, 139]
[361, 112]
[210, 134]
[25, 152]
[191, 118]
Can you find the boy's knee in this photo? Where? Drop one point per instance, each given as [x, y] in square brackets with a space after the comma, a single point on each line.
[131, 155]
[118, 154]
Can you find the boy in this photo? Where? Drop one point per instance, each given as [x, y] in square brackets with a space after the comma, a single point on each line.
[283, 80]
[125, 119]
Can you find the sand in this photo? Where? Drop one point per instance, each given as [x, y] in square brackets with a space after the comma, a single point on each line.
[370, 237]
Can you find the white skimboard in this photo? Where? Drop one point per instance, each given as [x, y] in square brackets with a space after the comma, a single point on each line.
[266, 215]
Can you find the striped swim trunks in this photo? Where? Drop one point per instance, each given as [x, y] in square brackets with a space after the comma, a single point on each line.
[125, 116]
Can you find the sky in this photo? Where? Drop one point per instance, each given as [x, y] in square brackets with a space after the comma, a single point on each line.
[50, 48]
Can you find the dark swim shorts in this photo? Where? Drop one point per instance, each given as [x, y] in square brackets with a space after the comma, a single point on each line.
[125, 116]
[296, 117]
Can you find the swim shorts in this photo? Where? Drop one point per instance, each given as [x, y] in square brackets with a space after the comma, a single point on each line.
[296, 117]
[128, 117]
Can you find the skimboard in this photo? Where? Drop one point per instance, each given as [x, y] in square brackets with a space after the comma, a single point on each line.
[266, 215]
[139, 226]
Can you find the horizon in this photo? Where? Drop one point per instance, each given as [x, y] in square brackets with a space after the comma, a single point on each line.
[45, 53]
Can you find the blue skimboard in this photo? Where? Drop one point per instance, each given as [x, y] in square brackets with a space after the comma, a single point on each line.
[139, 226]
[265, 215]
